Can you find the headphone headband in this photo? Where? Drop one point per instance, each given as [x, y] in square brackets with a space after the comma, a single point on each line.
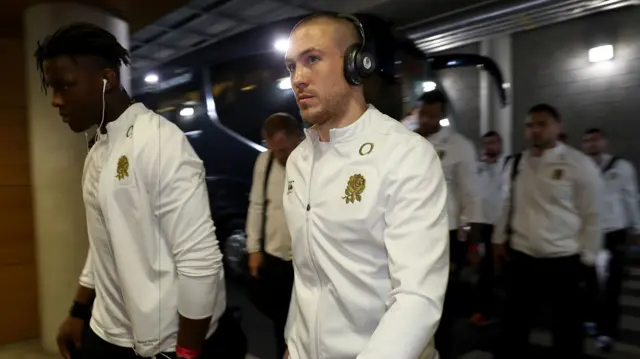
[354, 20]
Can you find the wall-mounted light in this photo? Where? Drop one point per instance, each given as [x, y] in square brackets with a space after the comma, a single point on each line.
[281, 45]
[151, 78]
[444, 122]
[601, 53]
[284, 83]
[187, 111]
[429, 86]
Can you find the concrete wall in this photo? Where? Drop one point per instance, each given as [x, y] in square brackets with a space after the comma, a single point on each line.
[551, 65]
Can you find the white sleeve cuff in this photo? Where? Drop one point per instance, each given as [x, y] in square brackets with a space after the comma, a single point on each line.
[197, 295]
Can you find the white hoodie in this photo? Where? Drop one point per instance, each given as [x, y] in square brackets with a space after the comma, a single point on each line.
[368, 220]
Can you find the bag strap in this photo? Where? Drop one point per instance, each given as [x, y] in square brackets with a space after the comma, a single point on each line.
[610, 164]
[515, 163]
[265, 201]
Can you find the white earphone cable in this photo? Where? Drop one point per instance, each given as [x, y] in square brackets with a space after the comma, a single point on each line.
[97, 134]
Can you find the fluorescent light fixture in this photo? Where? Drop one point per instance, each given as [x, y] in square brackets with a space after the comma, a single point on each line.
[284, 83]
[187, 111]
[444, 122]
[151, 79]
[429, 86]
[601, 53]
[281, 45]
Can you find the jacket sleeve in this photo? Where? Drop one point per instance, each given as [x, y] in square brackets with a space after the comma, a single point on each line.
[588, 200]
[468, 184]
[256, 205]
[630, 196]
[175, 180]
[86, 277]
[417, 242]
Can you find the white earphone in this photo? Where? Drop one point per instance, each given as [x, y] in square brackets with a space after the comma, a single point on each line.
[95, 137]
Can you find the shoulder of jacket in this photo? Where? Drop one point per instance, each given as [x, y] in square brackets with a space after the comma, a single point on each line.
[149, 124]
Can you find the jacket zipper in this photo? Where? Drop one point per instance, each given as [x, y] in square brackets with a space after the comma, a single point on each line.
[315, 336]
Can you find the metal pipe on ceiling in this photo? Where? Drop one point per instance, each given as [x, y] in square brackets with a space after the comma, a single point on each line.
[485, 26]
[484, 14]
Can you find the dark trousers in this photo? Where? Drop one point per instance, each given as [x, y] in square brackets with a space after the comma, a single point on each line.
[485, 286]
[444, 335]
[227, 341]
[532, 281]
[271, 294]
[609, 304]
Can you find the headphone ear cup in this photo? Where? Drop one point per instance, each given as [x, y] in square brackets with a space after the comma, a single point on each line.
[351, 71]
[365, 63]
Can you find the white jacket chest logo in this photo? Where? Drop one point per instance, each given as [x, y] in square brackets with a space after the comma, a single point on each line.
[355, 187]
[122, 169]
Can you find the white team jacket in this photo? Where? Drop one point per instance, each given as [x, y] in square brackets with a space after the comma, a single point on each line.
[153, 251]
[460, 165]
[369, 230]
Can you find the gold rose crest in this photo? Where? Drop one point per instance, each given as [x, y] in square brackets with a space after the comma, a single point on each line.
[356, 185]
[122, 171]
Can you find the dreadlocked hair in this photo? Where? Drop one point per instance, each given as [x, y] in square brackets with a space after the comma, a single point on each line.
[81, 39]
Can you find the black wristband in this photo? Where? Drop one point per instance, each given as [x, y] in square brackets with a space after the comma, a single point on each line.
[80, 311]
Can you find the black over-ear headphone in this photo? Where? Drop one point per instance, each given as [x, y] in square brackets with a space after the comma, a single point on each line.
[359, 61]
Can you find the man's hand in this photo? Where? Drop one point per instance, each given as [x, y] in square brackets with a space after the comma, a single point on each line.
[499, 254]
[286, 354]
[70, 333]
[255, 262]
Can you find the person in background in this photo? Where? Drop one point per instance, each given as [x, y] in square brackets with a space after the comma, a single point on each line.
[411, 120]
[550, 221]
[491, 169]
[563, 137]
[365, 202]
[268, 239]
[464, 200]
[153, 281]
[620, 219]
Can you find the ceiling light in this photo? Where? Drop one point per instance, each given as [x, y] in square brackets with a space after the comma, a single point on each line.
[444, 122]
[151, 79]
[601, 53]
[429, 86]
[187, 111]
[284, 83]
[281, 45]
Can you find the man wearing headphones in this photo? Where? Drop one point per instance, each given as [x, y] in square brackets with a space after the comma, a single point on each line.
[365, 201]
[153, 274]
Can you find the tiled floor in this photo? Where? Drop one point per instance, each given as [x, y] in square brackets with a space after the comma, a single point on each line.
[26, 350]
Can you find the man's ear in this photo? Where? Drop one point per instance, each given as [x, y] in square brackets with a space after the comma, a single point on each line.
[113, 82]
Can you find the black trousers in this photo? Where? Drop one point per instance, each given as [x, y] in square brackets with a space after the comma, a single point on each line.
[609, 309]
[532, 281]
[271, 295]
[485, 286]
[227, 341]
[444, 337]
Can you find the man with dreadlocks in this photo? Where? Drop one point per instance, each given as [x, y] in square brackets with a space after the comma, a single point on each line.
[153, 275]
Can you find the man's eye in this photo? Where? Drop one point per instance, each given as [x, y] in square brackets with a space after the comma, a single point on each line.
[291, 68]
[313, 59]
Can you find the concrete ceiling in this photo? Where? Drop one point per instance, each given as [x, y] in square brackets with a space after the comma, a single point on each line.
[202, 22]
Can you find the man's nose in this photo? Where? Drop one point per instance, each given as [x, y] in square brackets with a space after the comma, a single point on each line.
[56, 100]
[299, 78]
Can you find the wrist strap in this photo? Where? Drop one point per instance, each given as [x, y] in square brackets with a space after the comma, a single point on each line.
[80, 311]
[187, 353]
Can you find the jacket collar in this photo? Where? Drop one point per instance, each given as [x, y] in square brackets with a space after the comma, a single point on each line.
[441, 137]
[344, 134]
[123, 125]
